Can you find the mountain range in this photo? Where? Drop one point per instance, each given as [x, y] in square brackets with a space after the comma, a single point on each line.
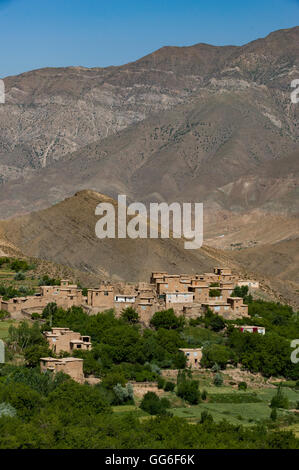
[189, 124]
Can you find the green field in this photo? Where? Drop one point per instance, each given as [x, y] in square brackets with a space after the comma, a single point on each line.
[294, 428]
[246, 414]
[127, 409]
[4, 325]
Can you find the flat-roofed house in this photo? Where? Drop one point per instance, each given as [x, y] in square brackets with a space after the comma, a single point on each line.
[64, 339]
[252, 329]
[101, 299]
[31, 303]
[73, 366]
[238, 308]
[193, 356]
[200, 290]
[218, 307]
[251, 284]
[224, 274]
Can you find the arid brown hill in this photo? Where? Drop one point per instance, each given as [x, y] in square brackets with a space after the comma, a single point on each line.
[65, 234]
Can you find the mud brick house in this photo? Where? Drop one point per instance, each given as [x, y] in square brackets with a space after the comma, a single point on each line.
[193, 356]
[177, 300]
[218, 307]
[238, 308]
[192, 311]
[224, 274]
[171, 283]
[101, 299]
[73, 366]
[250, 284]
[64, 339]
[231, 309]
[200, 290]
[31, 303]
[66, 295]
[253, 329]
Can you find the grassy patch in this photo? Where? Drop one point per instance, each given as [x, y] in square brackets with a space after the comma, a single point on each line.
[234, 397]
[294, 428]
[195, 336]
[127, 409]
[247, 414]
[4, 326]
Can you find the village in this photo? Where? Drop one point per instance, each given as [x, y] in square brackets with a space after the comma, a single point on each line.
[188, 295]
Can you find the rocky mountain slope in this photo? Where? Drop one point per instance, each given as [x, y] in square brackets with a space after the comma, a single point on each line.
[65, 234]
[50, 113]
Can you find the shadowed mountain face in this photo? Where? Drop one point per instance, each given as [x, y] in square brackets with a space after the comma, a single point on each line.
[65, 233]
[222, 149]
[231, 112]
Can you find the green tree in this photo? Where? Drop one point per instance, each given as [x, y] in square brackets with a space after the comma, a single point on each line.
[280, 400]
[130, 315]
[218, 379]
[242, 386]
[168, 320]
[169, 387]
[188, 390]
[216, 353]
[153, 405]
[49, 311]
[33, 354]
[273, 414]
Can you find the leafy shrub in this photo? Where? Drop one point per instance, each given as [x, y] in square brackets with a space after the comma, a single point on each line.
[35, 316]
[216, 353]
[19, 265]
[273, 414]
[280, 400]
[153, 405]
[160, 382]
[7, 410]
[242, 386]
[4, 315]
[206, 417]
[214, 292]
[218, 379]
[169, 387]
[188, 390]
[123, 394]
[130, 315]
[167, 319]
[19, 277]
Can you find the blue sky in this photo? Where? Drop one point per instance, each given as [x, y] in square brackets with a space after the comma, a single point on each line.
[96, 33]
